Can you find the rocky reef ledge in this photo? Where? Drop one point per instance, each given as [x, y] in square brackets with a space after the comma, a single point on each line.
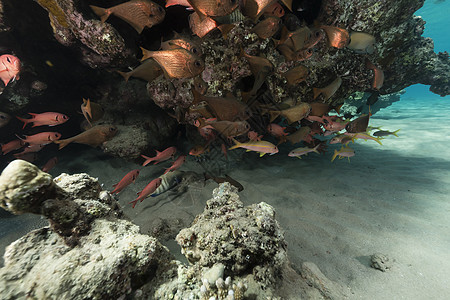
[89, 251]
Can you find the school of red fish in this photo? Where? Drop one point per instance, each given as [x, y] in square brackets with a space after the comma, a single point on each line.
[226, 116]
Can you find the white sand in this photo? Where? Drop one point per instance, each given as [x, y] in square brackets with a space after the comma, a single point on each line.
[392, 199]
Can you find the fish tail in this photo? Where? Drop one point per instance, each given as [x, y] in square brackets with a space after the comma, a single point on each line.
[147, 160]
[62, 143]
[103, 13]
[134, 202]
[197, 96]
[125, 75]
[246, 96]
[334, 155]
[25, 121]
[315, 149]
[273, 115]
[242, 53]
[237, 144]
[378, 140]
[146, 54]
[316, 92]
[225, 29]
[395, 132]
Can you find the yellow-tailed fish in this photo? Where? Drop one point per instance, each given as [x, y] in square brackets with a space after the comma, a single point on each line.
[262, 147]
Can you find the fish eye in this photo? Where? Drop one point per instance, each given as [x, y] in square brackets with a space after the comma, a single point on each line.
[233, 1]
[309, 51]
[2, 117]
[160, 9]
[317, 33]
[194, 50]
[197, 63]
[112, 129]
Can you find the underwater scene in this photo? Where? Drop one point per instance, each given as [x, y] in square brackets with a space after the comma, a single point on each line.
[224, 149]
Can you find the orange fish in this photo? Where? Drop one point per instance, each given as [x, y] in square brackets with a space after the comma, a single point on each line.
[202, 27]
[213, 8]
[198, 150]
[94, 136]
[296, 75]
[378, 75]
[253, 136]
[50, 164]
[47, 118]
[42, 138]
[160, 156]
[11, 146]
[176, 164]
[267, 28]
[148, 190]
[126, 181]
[9, 68]
[337, 37]
[225, 109]
[275, 10]
[276, 130]
[254, 8]
[148, 71]
[329, 90]
[180, 42]
[177, 63]
[137, 13]
[200, 85]
[227, 128]
[300, 135]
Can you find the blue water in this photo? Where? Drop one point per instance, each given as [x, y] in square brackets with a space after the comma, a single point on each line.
[437, 27]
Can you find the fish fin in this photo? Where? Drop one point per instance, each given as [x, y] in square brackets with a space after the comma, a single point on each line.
[197, 96]
[146, 53]
[316, 92]
[88, 109]
[25, 121]
[125, 75]
[33, 115]
[299, 156]
[225, 29]
[334, 155]
[103, 13]
[395, 132]
[134, 202]
[114, 185]
[62, 143]
[348, 159]
[288, 4]
[273, 115]
[248, 150]
[315, 149]
[338, 108]
[246, 96]
[261, 154]
[378, 140]
[237, 144]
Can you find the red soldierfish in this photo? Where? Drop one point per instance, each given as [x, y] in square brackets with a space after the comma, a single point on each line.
[378, 75]
[126, 181]
[42, 138]
[148, 190]
[176, 164]
[11, 146]
[30, 149]
[253, 136]
[9, 68]
[137, 13]
[160, 156]
[50, 164]
[47, 118]
[276, 130]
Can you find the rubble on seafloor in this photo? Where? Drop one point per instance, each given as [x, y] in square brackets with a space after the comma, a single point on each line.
[90, 251]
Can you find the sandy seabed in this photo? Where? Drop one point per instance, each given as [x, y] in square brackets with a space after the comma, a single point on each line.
[392, 199]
